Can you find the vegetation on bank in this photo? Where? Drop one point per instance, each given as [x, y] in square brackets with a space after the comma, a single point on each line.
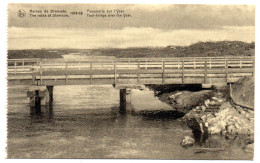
[16, 54]
[200, 49]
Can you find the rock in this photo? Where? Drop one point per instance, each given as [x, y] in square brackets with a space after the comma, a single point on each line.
[215, 98]
[225, 121]
[187, 141]
[242, 112]
[223, 132]
[204, 118]
[247, 115]
[219, 94]
[175, 95]
[203, 108]
[249, 148]
[214, 129]
[238, 121]
[231, 137]
[231, 129]
[250, 111]
[215, 114]
[210, 116]
[238, 108]
[196, 124]
[237, 126]
[206, 124]
[220, 101]
[250, 131]
[230, 123]
[157, 92]
[250, 139]
[212, 103]
[207, 102]
[228, 117]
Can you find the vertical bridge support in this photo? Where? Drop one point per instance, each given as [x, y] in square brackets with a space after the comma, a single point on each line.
[50, 90]
[125, 100]
[40, 96]
[125, 96]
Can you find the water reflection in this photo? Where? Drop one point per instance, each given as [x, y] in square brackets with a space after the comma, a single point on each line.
[42, 112]
[92, 126]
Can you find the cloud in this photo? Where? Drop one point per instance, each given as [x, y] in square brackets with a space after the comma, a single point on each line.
[35, 38]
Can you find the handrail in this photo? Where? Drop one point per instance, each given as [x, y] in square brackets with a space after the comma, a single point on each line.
[199, 67]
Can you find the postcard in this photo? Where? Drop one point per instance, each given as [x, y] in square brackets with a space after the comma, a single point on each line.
[130, 81]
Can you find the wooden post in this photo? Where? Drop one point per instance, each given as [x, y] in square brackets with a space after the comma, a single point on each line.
[23, 64]
[122, 108]
[129, 64]
[37, 102]
[210, 63]
[115, 72]
[182, 71]
[253, 68]
[240, 63]
[138, 72]
[15, 67]
[226, 67]
[40, 72]
[50, 90]
[194, 63]
[178, 63]
[125, 100]
[91, 72]
[206, 73]
[128, 99]
[66, 73]
[44, 97]
[33, 76]
[163, 72]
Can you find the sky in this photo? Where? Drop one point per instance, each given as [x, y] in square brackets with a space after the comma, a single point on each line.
[149, 25]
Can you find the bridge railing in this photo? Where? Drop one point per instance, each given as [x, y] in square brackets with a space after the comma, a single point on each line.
[182, 70]
[20, 66]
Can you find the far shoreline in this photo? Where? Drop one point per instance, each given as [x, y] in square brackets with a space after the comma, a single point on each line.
[200, 49]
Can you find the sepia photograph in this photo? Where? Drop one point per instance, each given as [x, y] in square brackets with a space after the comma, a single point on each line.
[130, 81]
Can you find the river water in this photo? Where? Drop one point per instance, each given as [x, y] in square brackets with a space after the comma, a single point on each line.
[84, 122]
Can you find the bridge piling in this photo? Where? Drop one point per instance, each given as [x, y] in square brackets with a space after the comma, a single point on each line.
[125, 100]
[39, 95]
[50, 90]
[37, 102]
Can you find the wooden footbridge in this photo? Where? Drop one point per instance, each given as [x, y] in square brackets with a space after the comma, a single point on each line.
[128, 72]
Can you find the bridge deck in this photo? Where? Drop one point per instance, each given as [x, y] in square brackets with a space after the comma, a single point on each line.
[201, 70]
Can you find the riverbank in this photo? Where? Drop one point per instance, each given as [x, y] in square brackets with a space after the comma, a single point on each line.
[216, 112]
[39, 53]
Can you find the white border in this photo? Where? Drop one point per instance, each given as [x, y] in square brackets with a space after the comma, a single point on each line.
[3, 52]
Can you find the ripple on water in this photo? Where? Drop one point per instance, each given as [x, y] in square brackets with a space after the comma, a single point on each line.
[85, 123]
